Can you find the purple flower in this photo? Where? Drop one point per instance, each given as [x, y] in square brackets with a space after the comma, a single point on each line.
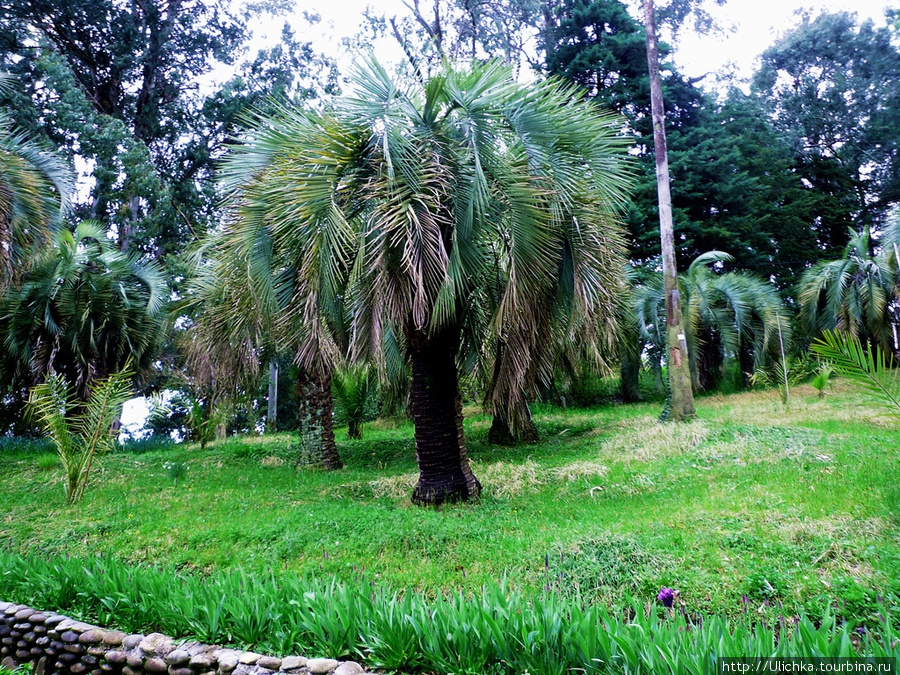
[667, 596]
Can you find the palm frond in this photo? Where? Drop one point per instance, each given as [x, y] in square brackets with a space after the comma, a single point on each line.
[865, 365]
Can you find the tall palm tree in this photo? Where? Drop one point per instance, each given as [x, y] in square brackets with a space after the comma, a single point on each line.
[852, 294]
[35, 187]
[399, 203]
[85, 309]
[730, 313]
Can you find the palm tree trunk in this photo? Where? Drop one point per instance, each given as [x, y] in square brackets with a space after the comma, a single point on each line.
[682, 402]
[747, 361]
[272, 409]
[444, 471]
[502, 432]
[316, 421]
[709, 361]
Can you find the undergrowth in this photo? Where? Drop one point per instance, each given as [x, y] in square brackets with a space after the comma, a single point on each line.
[498, 630]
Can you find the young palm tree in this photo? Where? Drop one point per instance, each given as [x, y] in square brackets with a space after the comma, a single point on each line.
[730, 313]
[84, 310]
[400, 205]
[34, 191]
[852, 295]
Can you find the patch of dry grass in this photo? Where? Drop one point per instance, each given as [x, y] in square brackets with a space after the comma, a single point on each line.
[645, 439]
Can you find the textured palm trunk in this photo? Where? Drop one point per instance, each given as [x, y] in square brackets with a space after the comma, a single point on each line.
[502, 431]
[682, 395]
[444, 471]
[316, 412]
[709, 361]
[747, 360]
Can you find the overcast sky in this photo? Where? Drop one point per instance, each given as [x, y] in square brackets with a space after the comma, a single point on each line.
[757, 24]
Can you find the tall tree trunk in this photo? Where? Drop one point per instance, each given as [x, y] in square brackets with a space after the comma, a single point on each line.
[630, 348]
[747, 361]
[444, 471]
[682, 397]
[316, 421]
[629, 384]
[502, 431]
[272, 412]
[709, 360]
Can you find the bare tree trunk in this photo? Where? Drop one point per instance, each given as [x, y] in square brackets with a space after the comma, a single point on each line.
[445, 474]
[682, 402]
[272, 413]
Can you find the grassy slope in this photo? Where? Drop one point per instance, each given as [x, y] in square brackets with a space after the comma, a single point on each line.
[752, 499]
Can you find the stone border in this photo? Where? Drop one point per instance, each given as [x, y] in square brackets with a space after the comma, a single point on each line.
[58, 645]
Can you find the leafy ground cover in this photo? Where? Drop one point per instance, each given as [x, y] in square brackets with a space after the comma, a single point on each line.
[753, 507]
[496, 631]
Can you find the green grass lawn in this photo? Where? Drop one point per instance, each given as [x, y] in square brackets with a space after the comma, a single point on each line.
[752, 503]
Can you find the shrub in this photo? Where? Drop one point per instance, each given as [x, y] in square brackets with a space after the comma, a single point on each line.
[79, 429]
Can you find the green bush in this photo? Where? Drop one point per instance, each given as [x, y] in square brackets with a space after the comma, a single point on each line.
[500, 631]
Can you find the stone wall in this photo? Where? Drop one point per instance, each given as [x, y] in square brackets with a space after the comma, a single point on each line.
[58, 645]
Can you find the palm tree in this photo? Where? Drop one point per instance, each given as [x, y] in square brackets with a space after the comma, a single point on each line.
[34, 191]
[852, 295]
[84, 310]
[398, 203]
[729, 313]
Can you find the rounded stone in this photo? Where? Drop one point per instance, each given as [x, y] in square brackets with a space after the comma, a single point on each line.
[132, 641]
[321, 666]
[69, 636]
[156, 643]
[155, 665]
[74, 648]
[37, 617]
[180, 671]
[248, 658]
[89, 660]
[177, 657]
[128, 671]
[23, 614]
[77, 669]
[12, 609]
[134, 659]
[269, 662]
[228, 662]
[54, 620]
[114, 638]
[203, 661]
[349, 668]
[114, 656]
[293, 662]
[96, 650]
[42, 641]
[91, 637]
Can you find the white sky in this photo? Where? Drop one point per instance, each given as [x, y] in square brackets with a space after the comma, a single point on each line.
[757, 24]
